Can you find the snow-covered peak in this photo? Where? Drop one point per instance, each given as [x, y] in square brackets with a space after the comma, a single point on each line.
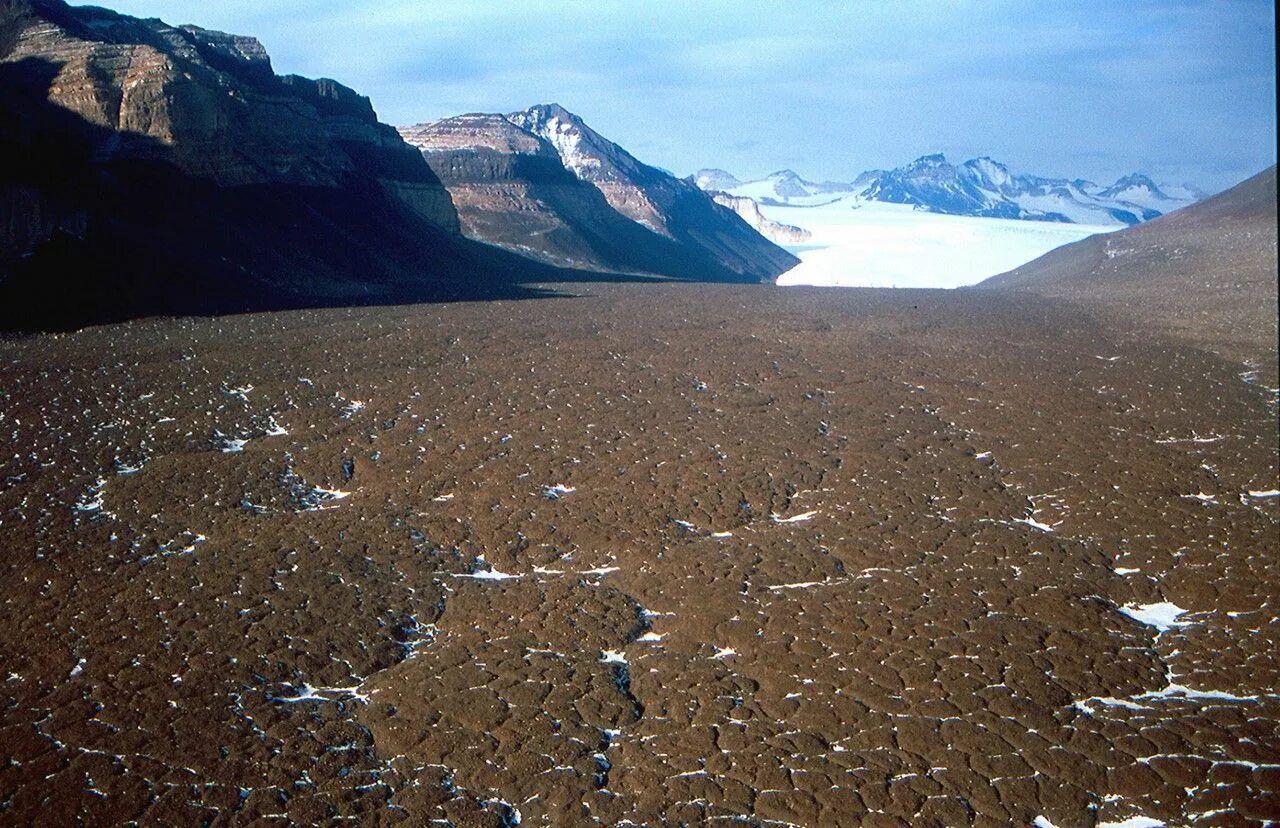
[585, 152]
[1134, 184]
[787, 187]
[992, 173]
[981, 186]
[715, 179]
[564, 131]
[932, 161]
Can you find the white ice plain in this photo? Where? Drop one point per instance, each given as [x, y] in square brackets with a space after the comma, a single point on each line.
[859, 243]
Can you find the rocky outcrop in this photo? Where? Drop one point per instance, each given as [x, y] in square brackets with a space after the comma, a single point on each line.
[543, 183]
[512, 190]
[208, 103]
[749, 211]
[148, 168]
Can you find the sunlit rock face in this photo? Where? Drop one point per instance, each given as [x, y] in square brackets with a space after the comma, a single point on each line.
[207, 102]
[542, 183]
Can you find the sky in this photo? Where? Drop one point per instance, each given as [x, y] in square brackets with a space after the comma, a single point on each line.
[1183, 90]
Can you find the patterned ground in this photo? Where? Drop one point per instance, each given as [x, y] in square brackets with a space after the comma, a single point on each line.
[653, 555]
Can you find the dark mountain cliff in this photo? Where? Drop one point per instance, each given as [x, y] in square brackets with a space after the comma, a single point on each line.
[146, 169]
[155, 169]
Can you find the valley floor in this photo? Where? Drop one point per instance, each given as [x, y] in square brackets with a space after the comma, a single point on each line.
[654, 554]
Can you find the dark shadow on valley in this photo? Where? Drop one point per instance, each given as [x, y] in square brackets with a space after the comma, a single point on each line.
[97, 227]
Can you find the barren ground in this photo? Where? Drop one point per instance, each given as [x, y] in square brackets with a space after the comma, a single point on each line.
[652, 555]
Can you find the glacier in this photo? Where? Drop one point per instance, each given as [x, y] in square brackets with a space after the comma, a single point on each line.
[857, 243]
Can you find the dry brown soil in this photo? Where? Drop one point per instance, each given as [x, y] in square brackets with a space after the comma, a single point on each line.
[818, 557]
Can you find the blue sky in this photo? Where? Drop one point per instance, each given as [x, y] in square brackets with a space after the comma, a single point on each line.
[1183, 90]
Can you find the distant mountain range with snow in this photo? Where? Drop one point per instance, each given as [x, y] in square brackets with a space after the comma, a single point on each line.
[980, 187]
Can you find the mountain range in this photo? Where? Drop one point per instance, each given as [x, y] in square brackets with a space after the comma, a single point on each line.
[980, 187]
[542, 183]
[156, 169]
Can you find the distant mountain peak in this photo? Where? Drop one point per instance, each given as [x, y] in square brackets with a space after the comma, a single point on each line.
[1133, 181]
[543, 116]
[980, 186]
[935, 159]
[554, 110]
[986, 162]
[541, 182]
[714, 179]
[587, 153]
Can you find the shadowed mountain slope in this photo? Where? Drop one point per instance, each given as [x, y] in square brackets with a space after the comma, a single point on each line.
[152, 169]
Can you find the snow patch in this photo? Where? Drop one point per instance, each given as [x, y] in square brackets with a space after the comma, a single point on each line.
[306, 693]
[1163, 615]
[324, 498]
[488, 575]
[1034, 524]
[800, 518]
[557, 491]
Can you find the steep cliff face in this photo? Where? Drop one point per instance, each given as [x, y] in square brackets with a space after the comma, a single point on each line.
[749, 211]
[208, 103]
[543, 183]
[147, 168]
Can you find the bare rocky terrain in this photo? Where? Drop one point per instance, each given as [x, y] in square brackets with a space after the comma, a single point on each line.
[1205, 274]
[543, 184]
[149, 169]
[593, 552]
[659, 555]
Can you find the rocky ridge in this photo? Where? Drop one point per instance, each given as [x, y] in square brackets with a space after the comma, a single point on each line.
[543, 183]
[775, 231]
[1206, 274]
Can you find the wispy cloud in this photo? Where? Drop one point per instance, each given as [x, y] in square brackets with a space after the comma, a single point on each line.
[1182, 88]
